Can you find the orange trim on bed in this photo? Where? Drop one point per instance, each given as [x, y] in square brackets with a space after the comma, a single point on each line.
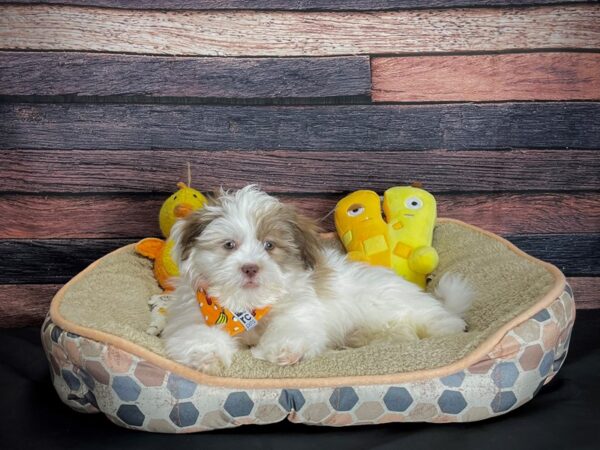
[475, 356]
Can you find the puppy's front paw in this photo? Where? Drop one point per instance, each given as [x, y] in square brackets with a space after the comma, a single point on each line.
[208, 361]
[205, 357]
[207, 350]
[282, 355]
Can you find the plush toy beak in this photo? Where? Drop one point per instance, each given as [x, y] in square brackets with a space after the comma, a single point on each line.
[182, 210]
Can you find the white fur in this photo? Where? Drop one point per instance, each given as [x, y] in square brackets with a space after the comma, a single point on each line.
[358, 303]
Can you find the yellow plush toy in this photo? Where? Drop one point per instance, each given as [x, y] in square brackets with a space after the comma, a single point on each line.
[178, 205]
[401, 241]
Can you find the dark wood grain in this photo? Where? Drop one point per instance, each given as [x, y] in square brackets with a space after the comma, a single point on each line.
[527, 76]
[57, 260]
[289, 5]
[88, 74]
[585, 290]
[122, 216]
[345, 127]
[299, 33]
[51, 261]
[334, 172]
[573, 254]
[25, 304]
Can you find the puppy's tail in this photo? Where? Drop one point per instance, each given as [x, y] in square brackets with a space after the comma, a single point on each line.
[456, 293]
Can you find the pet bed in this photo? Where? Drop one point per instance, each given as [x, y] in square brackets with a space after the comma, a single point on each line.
[519, 330]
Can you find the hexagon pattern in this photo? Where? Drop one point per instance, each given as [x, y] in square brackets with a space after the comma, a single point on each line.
[180, 387]
[454, 380]
[505, 374]
[343, 399]
[503, 401]
[126, 388]
[238, 404]
[397, 399]
[452, 402]
[184, 414]
[291, 399]
[91, 376]
[131, 415]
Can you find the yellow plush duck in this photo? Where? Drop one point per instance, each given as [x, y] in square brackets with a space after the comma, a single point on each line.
[402, 241]
[178, 205]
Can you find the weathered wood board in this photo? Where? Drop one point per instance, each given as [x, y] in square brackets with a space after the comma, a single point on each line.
[525, 76]
[91, 74]
[555, 125]
[287, 33]
[285, 171]
[124, 215]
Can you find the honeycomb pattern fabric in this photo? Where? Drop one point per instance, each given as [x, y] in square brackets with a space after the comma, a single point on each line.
[90, 376]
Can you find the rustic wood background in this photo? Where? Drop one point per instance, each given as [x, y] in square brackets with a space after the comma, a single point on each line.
[494, 105]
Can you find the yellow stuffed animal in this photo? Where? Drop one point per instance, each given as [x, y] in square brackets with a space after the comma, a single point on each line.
[178, 205]
[402, 241]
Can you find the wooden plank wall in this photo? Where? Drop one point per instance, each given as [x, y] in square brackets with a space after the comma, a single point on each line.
[494, 105]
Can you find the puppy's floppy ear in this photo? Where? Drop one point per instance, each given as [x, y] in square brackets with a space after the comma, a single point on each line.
[306, 236]
[186, 230]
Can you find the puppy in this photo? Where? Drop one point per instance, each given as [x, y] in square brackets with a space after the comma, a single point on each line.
[257, 257]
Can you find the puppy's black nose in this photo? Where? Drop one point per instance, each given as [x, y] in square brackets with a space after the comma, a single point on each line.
[250, 270]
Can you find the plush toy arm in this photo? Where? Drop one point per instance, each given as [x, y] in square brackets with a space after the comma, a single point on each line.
[423, 260]
[149, 247]
[357, 256]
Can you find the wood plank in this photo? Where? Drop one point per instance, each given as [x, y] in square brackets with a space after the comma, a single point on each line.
[288, 5]
[573, 254]
[55, 261]
[342, 127]
[95, 216]
[51, 261]
[283, 171]
[527, 76]
[89, 74]
[510, 213]
[27, 304]
[122, 216]
[24, 305]
[280, 33]
[585, 290]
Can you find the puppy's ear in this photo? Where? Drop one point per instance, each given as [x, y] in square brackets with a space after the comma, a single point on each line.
[186, 230]
[306, 236]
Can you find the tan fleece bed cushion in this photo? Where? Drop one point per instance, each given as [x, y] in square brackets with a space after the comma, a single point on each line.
[108, 303]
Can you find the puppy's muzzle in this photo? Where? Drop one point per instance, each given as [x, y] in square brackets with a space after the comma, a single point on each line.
[250, 270]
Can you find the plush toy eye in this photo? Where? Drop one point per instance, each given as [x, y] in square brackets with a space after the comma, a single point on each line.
[355, 210]
[195, 196]
[229, 245]
[413, 203]
[175, 198]
[269, 246]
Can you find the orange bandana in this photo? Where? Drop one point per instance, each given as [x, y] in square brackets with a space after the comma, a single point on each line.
[233, 323]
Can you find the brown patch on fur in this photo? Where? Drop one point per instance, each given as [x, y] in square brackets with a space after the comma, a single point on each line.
[292, 234]
[194, 225]
[306, 232]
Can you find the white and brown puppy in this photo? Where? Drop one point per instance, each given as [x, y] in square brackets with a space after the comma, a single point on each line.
[251, 251]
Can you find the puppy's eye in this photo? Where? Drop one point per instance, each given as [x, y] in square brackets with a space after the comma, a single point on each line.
[355, 210]
[269, 246]
[229, 245]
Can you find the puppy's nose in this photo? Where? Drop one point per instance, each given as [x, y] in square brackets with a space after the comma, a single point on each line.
[250, 270]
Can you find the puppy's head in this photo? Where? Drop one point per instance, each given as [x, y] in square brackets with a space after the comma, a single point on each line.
[244, 246]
